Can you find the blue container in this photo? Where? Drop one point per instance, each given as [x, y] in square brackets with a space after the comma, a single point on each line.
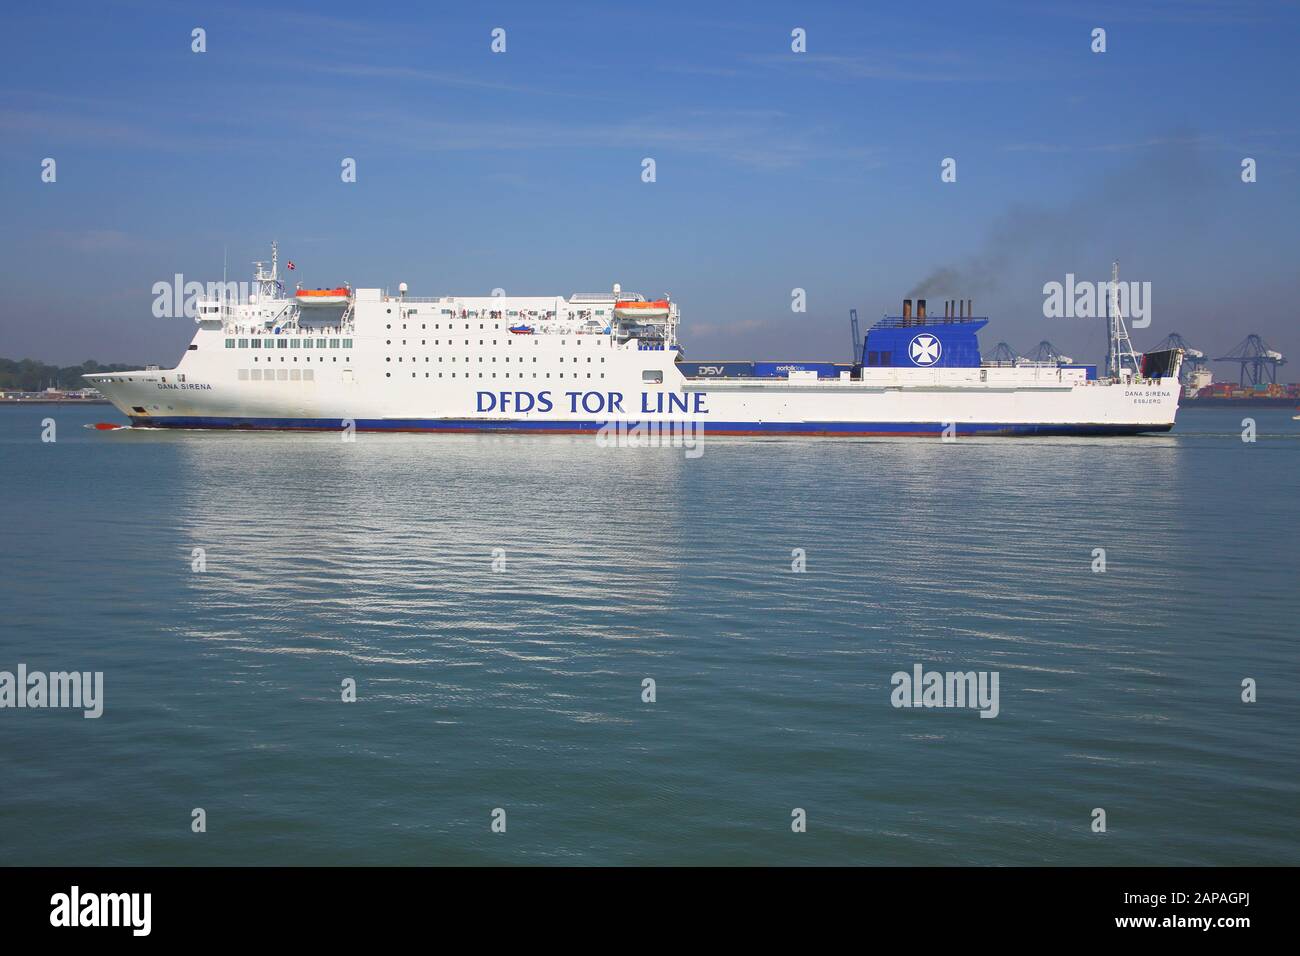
[717, 369]
[783, 369]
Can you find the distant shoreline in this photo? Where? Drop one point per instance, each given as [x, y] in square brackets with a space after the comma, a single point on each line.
[54, 401]
[1271, 402]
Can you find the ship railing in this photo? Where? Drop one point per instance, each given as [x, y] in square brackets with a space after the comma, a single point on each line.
[289, 331]
[907, 322]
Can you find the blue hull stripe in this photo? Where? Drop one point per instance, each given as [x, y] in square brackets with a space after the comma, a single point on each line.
[922, 429]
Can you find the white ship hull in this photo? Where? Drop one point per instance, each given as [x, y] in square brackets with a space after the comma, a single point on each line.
[452, 365]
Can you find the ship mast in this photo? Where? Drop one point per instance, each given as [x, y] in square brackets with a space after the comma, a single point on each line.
[1119, 347]
[270, 304]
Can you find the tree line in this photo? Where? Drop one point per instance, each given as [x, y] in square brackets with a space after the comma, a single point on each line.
[29, 375]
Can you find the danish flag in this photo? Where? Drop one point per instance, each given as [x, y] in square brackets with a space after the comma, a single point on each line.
[290, 265]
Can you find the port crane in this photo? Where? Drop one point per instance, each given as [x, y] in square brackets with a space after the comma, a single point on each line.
[1259, 361]
[1048, 353]
[1004, 354]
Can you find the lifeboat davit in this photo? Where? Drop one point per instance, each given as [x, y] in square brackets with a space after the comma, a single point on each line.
[319, 298]
[642, 310]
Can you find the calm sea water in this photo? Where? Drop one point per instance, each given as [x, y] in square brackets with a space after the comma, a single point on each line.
[521, 688]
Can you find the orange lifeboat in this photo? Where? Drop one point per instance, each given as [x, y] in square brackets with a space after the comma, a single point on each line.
[642, 310]
[319, 298]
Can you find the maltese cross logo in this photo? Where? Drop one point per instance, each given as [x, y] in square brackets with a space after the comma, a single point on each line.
[925, 349]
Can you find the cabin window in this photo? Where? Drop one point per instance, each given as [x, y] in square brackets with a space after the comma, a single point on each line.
[308, 375]
[230, 343]
[295, 344]
[243, 375]
[256, 343]
[243, 343]
[320, 343]
[652, 376]
[886, 358]
[256, 375]
[334, 343]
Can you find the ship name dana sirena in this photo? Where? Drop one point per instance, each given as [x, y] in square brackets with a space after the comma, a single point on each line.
[332, 358]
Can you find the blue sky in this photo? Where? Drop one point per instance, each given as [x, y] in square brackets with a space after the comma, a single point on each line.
[775, 170]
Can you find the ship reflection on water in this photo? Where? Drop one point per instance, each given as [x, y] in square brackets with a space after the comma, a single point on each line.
[648, 657]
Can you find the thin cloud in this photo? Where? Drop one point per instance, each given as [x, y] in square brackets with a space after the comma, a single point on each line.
[940, 67]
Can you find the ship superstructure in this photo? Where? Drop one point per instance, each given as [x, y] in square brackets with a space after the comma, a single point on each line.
[343, 357]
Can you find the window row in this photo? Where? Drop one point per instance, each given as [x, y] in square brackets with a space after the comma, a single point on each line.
[451, 343]
[415, 358]
[493, 375]
[277, 375]
[294, 343]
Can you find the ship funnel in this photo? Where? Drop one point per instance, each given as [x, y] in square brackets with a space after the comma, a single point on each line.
[907, 308]
[920, 309]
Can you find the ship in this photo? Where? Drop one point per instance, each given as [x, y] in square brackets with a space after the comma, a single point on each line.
[363, 359]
